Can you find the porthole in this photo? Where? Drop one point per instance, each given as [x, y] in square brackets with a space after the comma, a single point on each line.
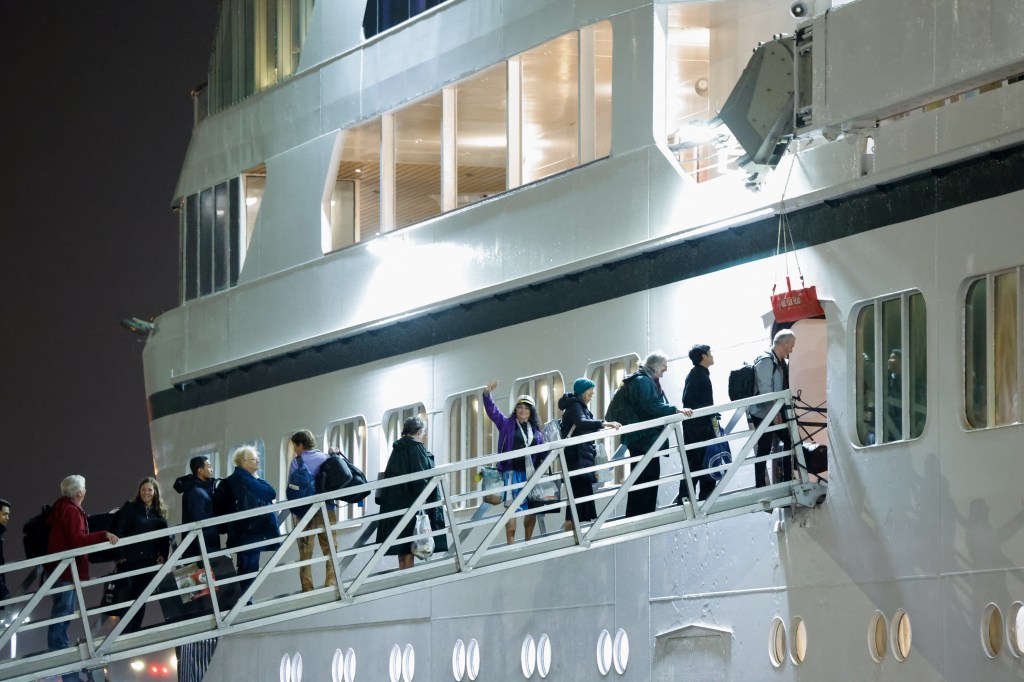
[798, 645]
[1015, 629]
[604, 652]
[528, 656]
[901, 635]
[878, 637]
[620, 651]
[395, 664]
[338, 666]
[473, 659]
[777, 642]
[285, 669]
[350, 665]
[544, 656]
[297, 667]
[459, 660]
[992, 630]
[408, 663]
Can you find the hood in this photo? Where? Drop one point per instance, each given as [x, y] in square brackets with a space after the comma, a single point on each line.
[186, 482]
[566, 400]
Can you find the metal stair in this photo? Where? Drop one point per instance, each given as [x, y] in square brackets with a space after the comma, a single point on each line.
[476, 542]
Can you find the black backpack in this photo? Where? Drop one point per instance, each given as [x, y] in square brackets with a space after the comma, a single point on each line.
[338, 472]
[36, 534]
[743, 381]
[621, 409]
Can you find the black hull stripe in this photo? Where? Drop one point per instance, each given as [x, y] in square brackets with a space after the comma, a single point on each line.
[921, 195]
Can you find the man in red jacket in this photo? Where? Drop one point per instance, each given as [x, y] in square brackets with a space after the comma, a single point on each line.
[69, 529]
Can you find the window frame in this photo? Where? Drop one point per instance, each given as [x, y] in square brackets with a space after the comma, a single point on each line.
[358, 509]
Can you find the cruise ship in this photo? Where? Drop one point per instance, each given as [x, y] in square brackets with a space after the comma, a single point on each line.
[384, 206]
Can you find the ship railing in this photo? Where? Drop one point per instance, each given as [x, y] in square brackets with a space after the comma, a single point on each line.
[476, 543]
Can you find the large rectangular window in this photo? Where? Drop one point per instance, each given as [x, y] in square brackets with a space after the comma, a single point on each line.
[550, 107]
[355, 202]
[470, 435]
[418, 161]
[392, 425]
[891, 369]
[481, 135]
[348, 436]
[211, 244]
[993, 350]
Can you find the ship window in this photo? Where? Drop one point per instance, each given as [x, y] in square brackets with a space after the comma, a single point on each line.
[992, 630]
[901, 635]
[459, 660]
[210, 240]
[798, 645]
[607, 376]
[210, 453]
[355, 201]
[392, 425]
[604, 652]
[545, 389]
[395, 663]
[891, 369]
[993, 350]
[878, 637]
[255, 186]
[481, 136]
[418, 161]
[343, 667]
[777, 642]
[470, 435]
[473, 659]
[1015, 629]
[349, 436]
[543, 656]
[620, 651]
[528, 656]
[550, 104]
[408, 663]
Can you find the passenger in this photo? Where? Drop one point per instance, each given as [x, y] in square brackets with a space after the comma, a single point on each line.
[69, 529]
[144, 514]
[5, 516]
[409, 455]
[244, 490]
[578, 420]
[648, 400]
[515, 433]
[697, 393]
[197, 501]
[771, 374]
[304, 445]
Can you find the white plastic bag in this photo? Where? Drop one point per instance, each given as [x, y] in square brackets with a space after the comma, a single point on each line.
[490, 478]
[423, 547]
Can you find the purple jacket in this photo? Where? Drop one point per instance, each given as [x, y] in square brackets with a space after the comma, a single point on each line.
[507, 433]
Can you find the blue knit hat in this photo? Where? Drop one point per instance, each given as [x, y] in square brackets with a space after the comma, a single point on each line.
[581, 386]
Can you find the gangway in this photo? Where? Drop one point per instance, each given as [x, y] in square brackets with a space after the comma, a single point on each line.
[476, 543]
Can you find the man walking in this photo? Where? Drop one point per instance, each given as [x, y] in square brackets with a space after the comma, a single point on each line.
[304, 446]
[197, 501]
[771, 374]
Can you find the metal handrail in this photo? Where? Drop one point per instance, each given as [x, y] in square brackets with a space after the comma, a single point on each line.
[360, 563]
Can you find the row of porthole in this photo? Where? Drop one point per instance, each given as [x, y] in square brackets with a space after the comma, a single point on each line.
[535, 656]
[878, 639]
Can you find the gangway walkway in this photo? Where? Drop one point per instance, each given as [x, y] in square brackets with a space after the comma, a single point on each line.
[476, 543]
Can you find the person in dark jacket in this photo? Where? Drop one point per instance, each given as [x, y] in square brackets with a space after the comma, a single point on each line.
[697, 393]
[521, 430]
[196, 491]
[649, 402]
[248, 491]
[69, 529]
[578, 420]
[409, 455]
[5, 516]
[144, 514]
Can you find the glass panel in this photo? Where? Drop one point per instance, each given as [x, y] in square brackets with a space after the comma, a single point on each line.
[481, 136]
[235, 253]
[975, 372]
[866, 375]
[269, 74]
[603, 87]
[418, 162]
[550, 101]
[343, 214]
[892, 415]
[687, 97]
[222, 215]
[190, 247]
[1005, 328]
[918, 366]
[254, 188]
[206, 228]
[360, 163]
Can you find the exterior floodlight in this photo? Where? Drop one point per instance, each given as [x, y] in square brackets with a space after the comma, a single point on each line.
[137, 326]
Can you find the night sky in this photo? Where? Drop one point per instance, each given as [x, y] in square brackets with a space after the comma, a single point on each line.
[95, 119]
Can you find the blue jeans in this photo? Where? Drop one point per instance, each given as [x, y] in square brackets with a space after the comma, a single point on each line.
[63, 605]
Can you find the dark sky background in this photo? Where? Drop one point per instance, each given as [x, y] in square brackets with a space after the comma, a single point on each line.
[95, 119]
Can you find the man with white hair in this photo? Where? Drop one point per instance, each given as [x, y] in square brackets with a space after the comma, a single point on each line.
[69, 529]
[771, 373]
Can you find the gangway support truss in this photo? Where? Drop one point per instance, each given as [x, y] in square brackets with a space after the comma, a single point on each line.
[475, 542]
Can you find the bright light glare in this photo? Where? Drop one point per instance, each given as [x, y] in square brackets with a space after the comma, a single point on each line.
[138, 665]
[251, 201]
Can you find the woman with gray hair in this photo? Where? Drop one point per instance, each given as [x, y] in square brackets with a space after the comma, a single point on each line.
[409, 455]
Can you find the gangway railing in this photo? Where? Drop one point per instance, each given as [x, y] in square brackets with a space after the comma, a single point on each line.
[475, 540]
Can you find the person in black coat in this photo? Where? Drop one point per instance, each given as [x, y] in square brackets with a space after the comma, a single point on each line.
[244, 490]
[408, 455]
[5, 516]
[144, 514]
[697, 393]
[197, 501]
[578, 420]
